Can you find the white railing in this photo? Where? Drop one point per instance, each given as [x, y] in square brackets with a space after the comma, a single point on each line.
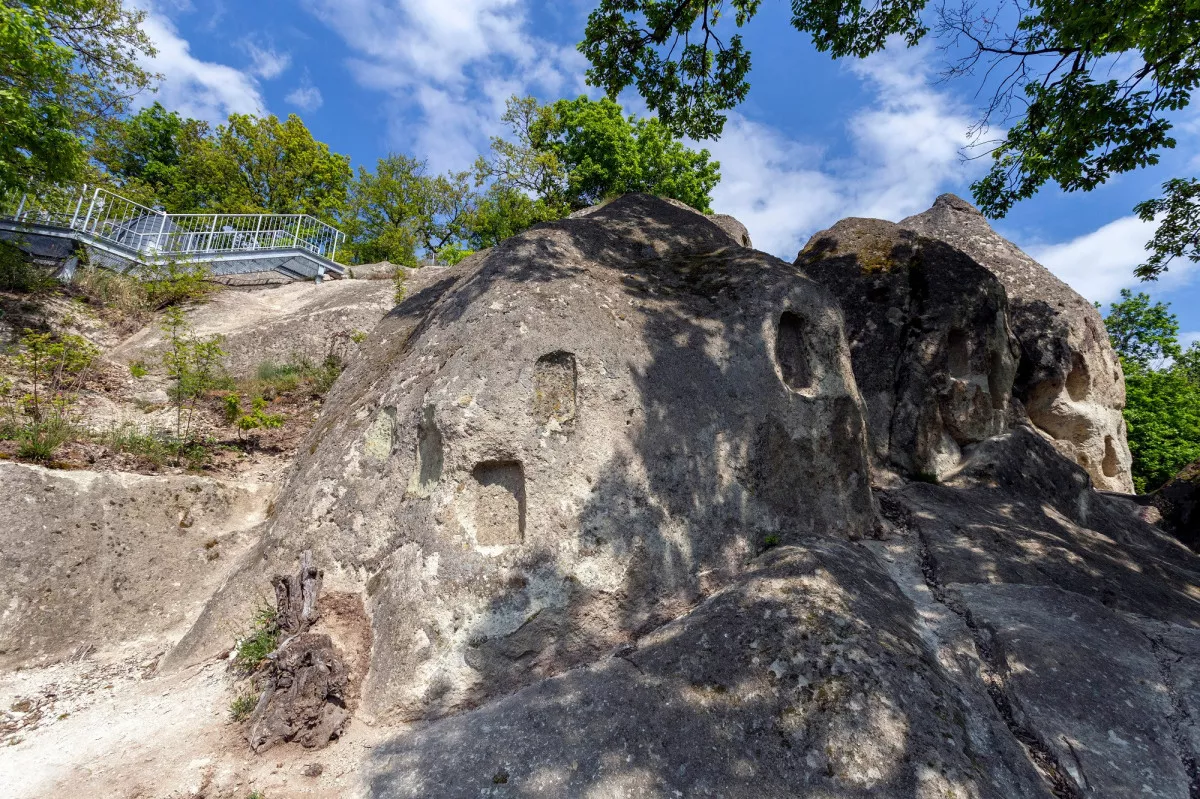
[115, 219]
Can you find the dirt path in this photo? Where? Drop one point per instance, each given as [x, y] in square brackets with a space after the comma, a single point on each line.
[102, 727]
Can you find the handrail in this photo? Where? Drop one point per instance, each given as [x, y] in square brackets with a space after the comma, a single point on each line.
[118, 220]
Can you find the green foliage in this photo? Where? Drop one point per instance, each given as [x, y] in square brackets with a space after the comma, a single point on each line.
[255, 419]
[576, 153]
[194, 363]
[138, 369]
[241, 707]
[400, 208]
[18, 273]
[1162, 411]
[400, 285]
[152, 448]
[453, 253]
[1162, 403]
[273, 379]
[175, 284]
[1142, 332]
[1082, 91]
[770, 541]
[259, 641]
[359, 336]
[66, 66]
[50, 369]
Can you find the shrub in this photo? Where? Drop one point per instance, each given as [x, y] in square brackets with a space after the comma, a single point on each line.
[52, 367]
[176, 284]
[195, 364]
[18, 273]
[241, 707]
[138, 369]
[155, 448]
[257, 418]
[259, 641]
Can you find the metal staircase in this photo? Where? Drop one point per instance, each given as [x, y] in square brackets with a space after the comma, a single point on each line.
[123, 235]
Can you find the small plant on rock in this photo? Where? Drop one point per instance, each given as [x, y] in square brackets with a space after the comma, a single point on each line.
[241, 707]
[260, 641]
[257, 418]
[194, 363]
[51, 368]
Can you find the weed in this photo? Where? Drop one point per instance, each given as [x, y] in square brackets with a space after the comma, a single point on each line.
[241, 707]
[174, 284]
[274, 379]
[38, 441]
[130, 439]
[358, 336]
[260, 641]
[771, 541]
[256, 795]
[138, 369]
[256, 418]
[195, 364]
[400, 283]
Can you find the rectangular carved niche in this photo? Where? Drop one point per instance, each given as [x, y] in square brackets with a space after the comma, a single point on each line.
[554, 388]
[499, 503]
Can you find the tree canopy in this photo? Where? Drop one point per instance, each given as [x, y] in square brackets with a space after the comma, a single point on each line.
[66, 66]
[1086, 90]
[1162, 388]
[575, 153]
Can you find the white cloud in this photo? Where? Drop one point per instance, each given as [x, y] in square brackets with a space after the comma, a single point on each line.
[195, 88]
[1101, 263]
[904, 151]
[265, 61]
[454, 61]
[306, 97]
[1188, 339]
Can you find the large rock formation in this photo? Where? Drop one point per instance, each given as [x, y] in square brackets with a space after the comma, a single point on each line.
[1178, 502]
[565, 442]
[932, 352]
[605, 489]
[91, 558]
[1069, 379]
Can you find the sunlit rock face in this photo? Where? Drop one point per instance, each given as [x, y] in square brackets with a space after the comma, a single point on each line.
[567, 441]
[1069, 378]
[929, 337]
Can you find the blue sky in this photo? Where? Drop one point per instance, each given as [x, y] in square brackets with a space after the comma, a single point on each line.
[816, 140]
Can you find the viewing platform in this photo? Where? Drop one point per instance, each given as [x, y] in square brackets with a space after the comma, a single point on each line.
[123, 235]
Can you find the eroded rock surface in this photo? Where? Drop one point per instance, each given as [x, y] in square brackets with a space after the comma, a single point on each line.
[90, 558]
[566, 441]
[807, 678]
[1070, 380]
[933, 355]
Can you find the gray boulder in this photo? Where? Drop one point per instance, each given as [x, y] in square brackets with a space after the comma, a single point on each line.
[1069, 379]
[564, 442]
[932, 352]
[806, 678]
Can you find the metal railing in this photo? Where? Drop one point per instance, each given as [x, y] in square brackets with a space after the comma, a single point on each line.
[150, 232]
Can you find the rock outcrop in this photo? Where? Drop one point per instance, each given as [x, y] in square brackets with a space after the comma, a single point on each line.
[605, 492]
[1178, 503]
[1069, 379]
[283, 324]
[929, 338]
[566, 442]
[90, 558]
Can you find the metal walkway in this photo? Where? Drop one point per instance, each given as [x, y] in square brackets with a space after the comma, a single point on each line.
[123, 235]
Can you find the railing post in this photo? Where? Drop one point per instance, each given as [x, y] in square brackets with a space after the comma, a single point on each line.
[333, 255]
[162, 224]
[78, 205]
[20, 207]
[257, 231]
[91, 207]
[298, 220]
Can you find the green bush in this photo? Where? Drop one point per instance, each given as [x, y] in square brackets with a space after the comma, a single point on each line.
[155, 448]
[259, 641]
[241, 707]
[18, 273]
[51, 368]
[138, 369]
[1162, 411]
[176, 284]
[39, 441]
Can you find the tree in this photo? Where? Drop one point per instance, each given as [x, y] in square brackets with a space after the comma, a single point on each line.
[399, 209]
[1141, 332]
[575, 153]
[1162, 402]
[66, 66]
[1075, 114]
[274, 167]
[151, 157]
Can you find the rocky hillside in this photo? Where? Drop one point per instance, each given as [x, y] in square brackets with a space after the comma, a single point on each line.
[622, 507]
